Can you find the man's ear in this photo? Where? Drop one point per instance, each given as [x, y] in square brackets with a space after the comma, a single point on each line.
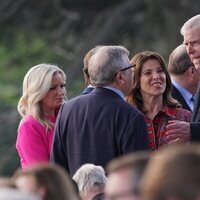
[119, 76]
[192, 70]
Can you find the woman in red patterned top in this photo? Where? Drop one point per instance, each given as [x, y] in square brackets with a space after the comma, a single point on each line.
[151, 94]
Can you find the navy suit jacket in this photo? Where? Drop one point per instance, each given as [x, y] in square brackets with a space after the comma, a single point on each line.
[96, 128]
[87, 90]
[195, 119]
[178, 96]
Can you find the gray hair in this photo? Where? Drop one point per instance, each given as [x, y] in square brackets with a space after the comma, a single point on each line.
[90, 179]
[14, 194]
[105, 63]
[179, 61]
[192, 23]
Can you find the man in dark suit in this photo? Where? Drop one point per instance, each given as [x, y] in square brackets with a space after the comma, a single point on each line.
[100, 126]
[182, 131]
[184, 77]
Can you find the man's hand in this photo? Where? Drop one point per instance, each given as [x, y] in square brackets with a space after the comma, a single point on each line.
[177, 131]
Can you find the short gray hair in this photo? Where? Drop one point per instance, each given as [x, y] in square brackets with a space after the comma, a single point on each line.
[90, 179]
[192, 23]
[105, 63]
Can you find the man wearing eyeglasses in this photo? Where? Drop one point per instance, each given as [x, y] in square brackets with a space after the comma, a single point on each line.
[100, 126]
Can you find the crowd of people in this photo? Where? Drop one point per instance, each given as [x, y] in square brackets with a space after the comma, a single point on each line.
[128, 135]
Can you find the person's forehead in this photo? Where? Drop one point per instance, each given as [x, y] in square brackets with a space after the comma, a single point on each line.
[192, 34]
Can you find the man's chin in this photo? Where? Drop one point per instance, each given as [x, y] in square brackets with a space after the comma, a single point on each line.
[196, 63]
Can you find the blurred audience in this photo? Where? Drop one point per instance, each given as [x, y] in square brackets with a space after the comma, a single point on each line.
[124, 175]
[43, 94]
[15, 194]
[184, 77]
[100, 196]
[173, 174]
[91, 180]
[51, 182]
[6, 182]
[151, 93]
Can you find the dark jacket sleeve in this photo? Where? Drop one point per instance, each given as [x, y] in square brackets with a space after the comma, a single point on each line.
[58, 153]
[135, 137]
[195, 131]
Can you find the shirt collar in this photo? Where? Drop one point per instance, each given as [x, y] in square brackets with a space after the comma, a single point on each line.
[168, 111]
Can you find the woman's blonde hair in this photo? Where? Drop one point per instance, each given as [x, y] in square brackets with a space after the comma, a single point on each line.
[36, 85]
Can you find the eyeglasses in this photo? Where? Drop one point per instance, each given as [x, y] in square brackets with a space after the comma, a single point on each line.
[126, 68]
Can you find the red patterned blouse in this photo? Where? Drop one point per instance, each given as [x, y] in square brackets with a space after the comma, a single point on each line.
[156, 128]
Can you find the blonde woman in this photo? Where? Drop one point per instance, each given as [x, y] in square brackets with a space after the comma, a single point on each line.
[43, 94]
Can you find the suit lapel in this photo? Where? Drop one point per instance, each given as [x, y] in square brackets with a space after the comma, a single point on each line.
[178, 96]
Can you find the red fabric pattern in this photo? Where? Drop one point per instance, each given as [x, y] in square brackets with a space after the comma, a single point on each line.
[156, 128]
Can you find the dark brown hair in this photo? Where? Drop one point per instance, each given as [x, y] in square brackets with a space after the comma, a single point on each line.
[135, 97]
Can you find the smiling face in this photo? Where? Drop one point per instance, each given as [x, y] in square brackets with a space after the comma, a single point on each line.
[152, 79]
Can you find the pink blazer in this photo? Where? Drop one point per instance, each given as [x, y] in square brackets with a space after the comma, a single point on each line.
[33, 142]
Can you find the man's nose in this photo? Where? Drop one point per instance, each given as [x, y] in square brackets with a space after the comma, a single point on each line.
[190, 49]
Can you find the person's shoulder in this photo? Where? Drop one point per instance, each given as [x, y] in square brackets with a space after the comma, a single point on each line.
[130, 108]
[75, 99]
[180, 113]
[73, 103]
[183, 111]
[29, 121]
[174, 89]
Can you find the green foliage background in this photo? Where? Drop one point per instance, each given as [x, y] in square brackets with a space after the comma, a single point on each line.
[62, 31]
